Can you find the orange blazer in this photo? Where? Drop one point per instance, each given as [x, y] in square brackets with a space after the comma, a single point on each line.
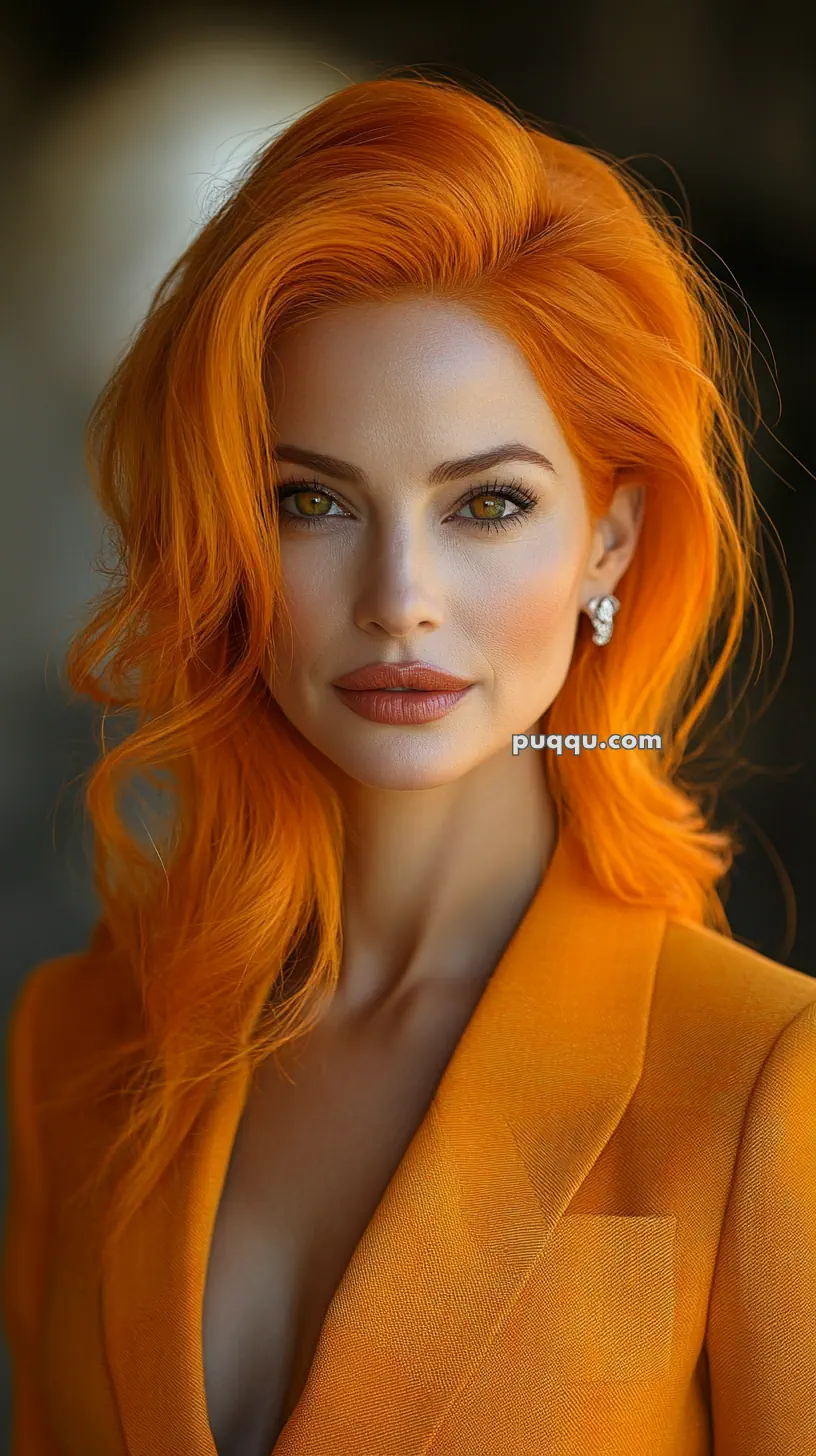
[601, 1239]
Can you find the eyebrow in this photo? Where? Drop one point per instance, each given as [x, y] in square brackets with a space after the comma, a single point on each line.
[440, 475]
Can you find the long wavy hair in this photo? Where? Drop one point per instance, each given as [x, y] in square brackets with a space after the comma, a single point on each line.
[221, 926]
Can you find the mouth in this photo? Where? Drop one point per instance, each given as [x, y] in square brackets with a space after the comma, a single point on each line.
[408, 677]
[405, 707]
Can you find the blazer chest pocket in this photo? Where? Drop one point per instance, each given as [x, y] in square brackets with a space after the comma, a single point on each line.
[610, 1297]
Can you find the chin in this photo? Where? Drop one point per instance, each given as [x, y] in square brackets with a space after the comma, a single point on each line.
[407, 767]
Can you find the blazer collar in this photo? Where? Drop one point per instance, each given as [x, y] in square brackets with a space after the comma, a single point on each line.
[534, 1090]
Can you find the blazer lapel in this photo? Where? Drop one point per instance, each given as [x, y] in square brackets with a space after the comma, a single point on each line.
[152, 1292]
[534, 1090]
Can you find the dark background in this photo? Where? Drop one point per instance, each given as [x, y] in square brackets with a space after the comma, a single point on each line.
[121, 124]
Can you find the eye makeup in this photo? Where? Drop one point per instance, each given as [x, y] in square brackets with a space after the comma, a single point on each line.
[515, 491]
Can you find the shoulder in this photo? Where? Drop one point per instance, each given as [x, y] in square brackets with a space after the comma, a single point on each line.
[39, 1007]
[719, 969]
[66, 1010]
[64, 1036]
[733, 1003]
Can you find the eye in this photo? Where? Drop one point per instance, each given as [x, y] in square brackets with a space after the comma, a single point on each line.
[492, 498]
[315, 501]
[315, 498]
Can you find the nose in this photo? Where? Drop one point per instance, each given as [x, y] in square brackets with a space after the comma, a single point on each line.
[399, 590]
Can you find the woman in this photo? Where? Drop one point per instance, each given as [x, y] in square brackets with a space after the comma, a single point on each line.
[412, 1095]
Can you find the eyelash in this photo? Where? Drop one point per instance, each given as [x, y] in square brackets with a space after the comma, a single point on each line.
[514, 490]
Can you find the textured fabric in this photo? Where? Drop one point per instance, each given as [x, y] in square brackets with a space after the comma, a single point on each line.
[602, 1236]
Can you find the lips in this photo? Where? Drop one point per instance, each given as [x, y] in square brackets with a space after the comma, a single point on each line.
[418, 677]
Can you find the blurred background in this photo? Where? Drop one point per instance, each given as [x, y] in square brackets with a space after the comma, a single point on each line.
[124, 124]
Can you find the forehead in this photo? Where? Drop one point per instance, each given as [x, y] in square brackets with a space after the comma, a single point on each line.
[418, 369]
[403, 332]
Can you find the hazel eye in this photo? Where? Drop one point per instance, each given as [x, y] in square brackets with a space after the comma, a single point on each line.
[315, 503]
[494, 506]
[312, 504]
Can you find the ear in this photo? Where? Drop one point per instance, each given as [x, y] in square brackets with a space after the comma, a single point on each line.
[615, 536]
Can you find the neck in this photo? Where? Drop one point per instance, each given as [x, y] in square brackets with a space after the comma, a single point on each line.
[436, 880]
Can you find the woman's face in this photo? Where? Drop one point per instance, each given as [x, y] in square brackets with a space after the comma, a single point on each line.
[390, 568]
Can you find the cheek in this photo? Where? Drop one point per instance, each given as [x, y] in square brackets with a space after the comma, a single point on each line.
[314, 603]
[526, 616]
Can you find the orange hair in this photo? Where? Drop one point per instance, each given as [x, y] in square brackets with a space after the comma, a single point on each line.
[391, 187]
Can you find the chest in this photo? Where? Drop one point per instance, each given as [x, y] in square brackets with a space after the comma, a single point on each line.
[322, 1133]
